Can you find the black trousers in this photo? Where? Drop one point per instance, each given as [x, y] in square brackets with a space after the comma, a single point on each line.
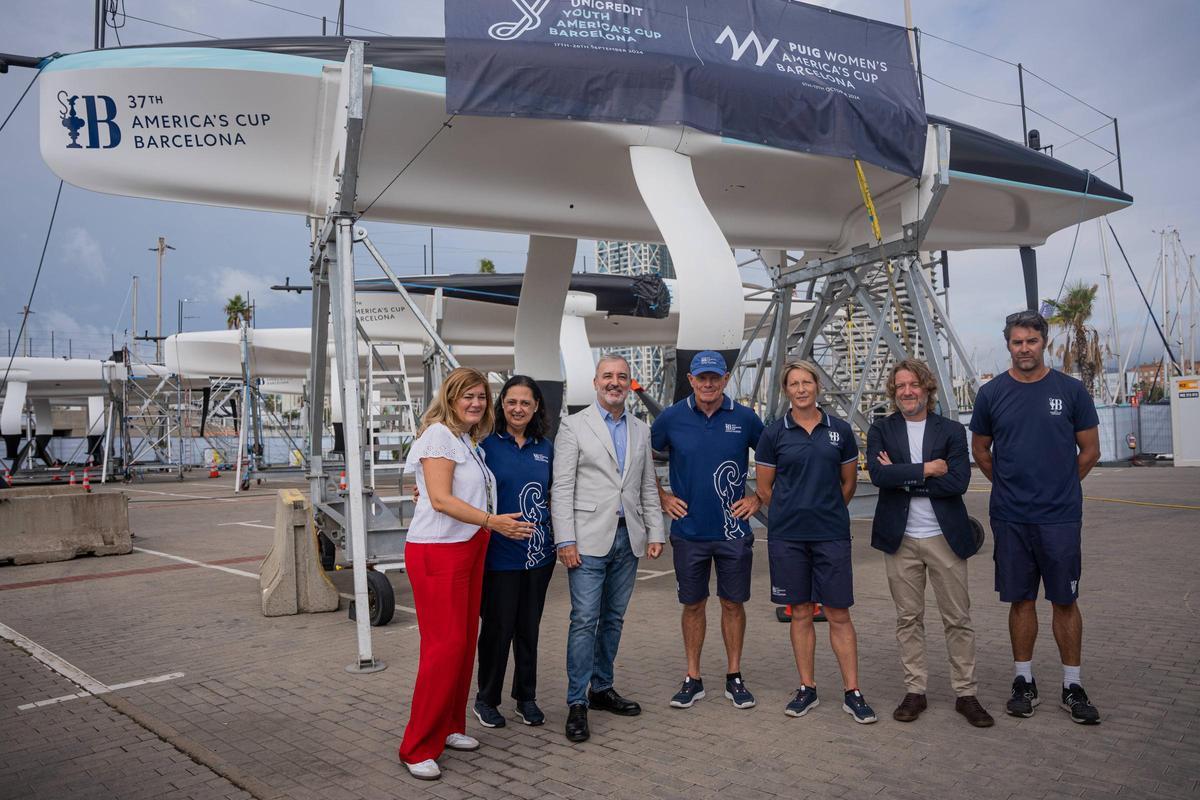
[510, 616]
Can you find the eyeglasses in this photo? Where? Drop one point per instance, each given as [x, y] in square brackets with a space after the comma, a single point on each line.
[1022, 316]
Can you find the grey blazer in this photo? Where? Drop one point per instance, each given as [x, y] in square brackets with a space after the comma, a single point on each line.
[588, 486]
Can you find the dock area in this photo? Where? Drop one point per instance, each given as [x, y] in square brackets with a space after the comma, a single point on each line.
[168, 682]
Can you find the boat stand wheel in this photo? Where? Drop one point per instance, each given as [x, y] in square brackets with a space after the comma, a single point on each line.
[328, 552]
[381, 599]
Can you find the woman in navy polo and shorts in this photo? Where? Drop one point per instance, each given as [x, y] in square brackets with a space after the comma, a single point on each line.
[807, 469]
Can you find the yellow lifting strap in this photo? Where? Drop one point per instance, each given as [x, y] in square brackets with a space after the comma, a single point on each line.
[873, 216]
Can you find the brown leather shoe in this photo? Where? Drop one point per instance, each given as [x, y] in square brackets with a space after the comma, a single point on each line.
[910, 708]
[976, 715]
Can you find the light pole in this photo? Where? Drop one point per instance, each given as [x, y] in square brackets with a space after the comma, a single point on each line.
[161, 248]
[179, 324]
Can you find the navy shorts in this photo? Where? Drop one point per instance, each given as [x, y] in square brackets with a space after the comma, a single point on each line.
[1026, 553]
[811, 572]
[733, 557]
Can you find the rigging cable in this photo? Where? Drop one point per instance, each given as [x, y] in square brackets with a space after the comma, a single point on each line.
[19, 99]
[1138, 283]
[1082, 200]
[38, 274]
[436, 134]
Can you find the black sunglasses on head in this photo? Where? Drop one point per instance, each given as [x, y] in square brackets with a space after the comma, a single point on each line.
[1022, 316]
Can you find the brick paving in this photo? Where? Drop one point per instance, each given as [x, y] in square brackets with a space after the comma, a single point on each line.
[267, 700]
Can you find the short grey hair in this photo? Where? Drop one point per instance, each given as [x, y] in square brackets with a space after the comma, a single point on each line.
[612, 357]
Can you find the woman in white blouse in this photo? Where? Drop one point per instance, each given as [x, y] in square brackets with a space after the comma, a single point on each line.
[444, 557]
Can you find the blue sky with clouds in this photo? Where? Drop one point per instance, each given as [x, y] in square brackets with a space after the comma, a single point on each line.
[1131, 60]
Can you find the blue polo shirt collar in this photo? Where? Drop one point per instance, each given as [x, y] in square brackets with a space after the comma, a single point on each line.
[508, 437]
[788, 423]
[726, 403]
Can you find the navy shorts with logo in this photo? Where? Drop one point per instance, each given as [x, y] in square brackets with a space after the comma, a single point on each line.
[811, 572]
[1026, 554]
[734, 559]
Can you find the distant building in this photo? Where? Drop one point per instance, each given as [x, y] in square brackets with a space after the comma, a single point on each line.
[652, 367]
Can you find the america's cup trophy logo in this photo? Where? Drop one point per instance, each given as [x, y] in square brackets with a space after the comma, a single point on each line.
[531, 19]
[728, 480]
[534, 509]
[70, 119]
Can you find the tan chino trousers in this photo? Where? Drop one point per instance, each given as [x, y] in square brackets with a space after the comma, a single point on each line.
[907, 570]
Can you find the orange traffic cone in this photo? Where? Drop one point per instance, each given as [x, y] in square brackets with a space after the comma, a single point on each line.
[87, 483]
[342, 481]
[214, 472]
[72, 483]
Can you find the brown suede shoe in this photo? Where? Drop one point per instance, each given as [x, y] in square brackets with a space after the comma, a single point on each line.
[969, 707]
[910, 708]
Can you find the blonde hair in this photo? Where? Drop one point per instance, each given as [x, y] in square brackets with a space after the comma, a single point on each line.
[449, 393]
[807, 366]
[918, 368]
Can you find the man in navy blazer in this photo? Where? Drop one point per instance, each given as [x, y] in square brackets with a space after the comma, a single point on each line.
[919, 461]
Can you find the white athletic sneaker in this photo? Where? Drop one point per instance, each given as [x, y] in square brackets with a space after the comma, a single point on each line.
[427, 770]
[460, 741]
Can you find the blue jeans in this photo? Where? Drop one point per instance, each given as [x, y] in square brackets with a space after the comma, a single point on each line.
[600, 590]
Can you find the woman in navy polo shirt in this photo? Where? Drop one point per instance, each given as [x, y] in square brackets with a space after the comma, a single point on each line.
[807, 471]
[517, 573]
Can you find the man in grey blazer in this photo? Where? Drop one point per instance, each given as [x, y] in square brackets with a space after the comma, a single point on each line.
[606, 513]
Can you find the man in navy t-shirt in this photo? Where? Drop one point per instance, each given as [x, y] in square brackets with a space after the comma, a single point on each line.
[709, 437]
[1035, 436]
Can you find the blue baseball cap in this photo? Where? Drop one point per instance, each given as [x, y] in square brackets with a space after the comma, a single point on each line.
[708, 361]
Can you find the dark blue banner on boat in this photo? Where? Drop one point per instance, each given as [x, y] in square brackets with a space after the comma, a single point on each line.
[773, 72]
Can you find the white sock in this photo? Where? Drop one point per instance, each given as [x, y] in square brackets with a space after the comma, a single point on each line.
[1070, 675]
[1024, 670]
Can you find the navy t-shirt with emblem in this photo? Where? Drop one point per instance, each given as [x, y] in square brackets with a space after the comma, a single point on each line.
[806, 498]
[522, 484]
[709, 462]
[1035, 459]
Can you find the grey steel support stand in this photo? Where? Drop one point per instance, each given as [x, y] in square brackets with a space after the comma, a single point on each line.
[332, 268]
[1029, 271]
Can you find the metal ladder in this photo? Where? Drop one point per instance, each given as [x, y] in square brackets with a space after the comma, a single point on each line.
[391, 418]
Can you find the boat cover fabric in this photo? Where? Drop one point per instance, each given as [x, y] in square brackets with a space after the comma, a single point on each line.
[774, 72]
[636, 296]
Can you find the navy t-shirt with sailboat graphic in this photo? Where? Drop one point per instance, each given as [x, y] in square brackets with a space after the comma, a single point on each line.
[522, 484]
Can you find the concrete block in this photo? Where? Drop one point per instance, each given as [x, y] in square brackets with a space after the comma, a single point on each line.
[57, 523]
[291, 578]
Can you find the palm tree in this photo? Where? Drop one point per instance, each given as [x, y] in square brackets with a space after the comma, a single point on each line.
[486, 265]
[236, 310]
[1081, 352]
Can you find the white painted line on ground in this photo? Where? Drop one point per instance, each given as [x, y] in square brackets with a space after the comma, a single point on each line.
[60, 665]
[647, 574]
[170, 676]
[243, 522]
[251, 525]
[193, 562]
[185, 496]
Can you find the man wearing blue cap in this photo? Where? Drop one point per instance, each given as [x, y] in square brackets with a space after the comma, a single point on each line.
[708, 437]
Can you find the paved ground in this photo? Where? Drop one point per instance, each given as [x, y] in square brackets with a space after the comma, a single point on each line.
[264, 704]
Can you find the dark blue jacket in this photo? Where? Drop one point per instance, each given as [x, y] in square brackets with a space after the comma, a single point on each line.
[901, 480]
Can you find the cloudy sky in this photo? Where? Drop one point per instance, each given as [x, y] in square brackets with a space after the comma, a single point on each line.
[1134, 61]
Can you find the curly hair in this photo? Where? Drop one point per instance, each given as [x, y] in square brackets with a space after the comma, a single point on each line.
[917, 367]
[442, 409]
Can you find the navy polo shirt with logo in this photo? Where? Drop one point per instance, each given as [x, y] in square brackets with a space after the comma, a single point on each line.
[806, 499]
[522, 484]
[1035, 459]
[709, 462]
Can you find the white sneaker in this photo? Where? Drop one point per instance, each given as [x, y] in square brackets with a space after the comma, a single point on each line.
[460, 741]
[427, 770]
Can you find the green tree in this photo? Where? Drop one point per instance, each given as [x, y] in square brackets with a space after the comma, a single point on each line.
[1081, 350]
[486, 265]
[236, 310]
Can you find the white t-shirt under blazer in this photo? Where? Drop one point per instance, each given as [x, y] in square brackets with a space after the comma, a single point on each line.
[922, 522]
[473, 484]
